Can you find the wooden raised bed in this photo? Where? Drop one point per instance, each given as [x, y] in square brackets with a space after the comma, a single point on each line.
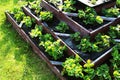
[98, 60]
[56, 65]
[77, 27]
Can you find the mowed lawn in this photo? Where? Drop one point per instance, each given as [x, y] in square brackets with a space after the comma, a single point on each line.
[17, 60]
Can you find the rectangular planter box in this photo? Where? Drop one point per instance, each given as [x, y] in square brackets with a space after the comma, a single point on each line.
[77, 27]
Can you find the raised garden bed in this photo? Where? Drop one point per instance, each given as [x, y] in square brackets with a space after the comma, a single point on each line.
[65, 36]
[63, 46]
[77, 23]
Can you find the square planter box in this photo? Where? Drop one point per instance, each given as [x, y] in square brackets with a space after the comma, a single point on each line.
[74, 23]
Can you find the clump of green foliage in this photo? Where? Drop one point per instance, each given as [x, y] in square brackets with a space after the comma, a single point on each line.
[37, 32]
[111, 12]
[18, 14]
[35, 5]
[93, 1]
[103, 41]
[54, 49]
[27, 21]
[116, 61]
[87, 46]
[89, 16]
[46, 16]
[115, 31]
[72, 67]
[100, 43]
[118, 3]
[68, 5]
[103, 72]
[62, 27]
[46, 37]
[75, 36]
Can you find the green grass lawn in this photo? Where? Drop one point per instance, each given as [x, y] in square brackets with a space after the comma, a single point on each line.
[17, 60]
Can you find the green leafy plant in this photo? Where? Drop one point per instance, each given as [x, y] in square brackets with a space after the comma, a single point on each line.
[118, 3]
[35, 6]
[93, 1]
[103, 72]
[103, 41]
[89, 71]
[37, 32]
[111, 12]
[62, 27]
[115, 31]
[116, 74]
[46, 37]
[27, 21]
[19, 16]
[89, 16]
[116, 56]
[68, 5]
[71, 67]
[46, 16]
[54, 49]
[55, 2]
[75, 36]
[87, 46]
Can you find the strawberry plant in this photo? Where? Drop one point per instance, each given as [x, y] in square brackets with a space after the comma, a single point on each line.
[46, 16]
[27, 21]
[37, 32]
[116, 74]
[62, 27]
[68, 6]
[118, 3]
[46, 37]
[93, 1]
[87, 46]
[103, 72]
[71, 67]
[116, 56]
[35, 6]
[19, 16]
[103, 41]
[111, 12]
[114, 31]
[75, 36]
[89, 71]
[89, 16]
[54, 49]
